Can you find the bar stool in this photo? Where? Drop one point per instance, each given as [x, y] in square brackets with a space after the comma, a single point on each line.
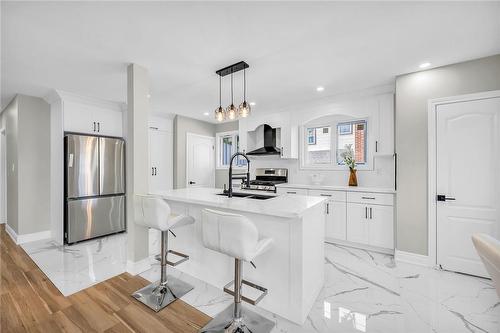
[238, 237]
[154, 212]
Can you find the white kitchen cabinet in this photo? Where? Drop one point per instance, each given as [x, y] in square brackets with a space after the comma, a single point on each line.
[384, 141]
[288, 141]
[288, 190]
[335, 224]
[89, 118]
[160, 157]
[370, 224]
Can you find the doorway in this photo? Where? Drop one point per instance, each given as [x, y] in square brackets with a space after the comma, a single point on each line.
[464, 188]
[200, 160]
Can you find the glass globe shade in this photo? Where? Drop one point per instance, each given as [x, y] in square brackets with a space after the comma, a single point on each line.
[231, 112]
[219, 114]
[244, 109]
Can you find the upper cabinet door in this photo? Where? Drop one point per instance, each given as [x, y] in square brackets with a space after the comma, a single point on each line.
[109, 122]
[384, 140]
[78, 118]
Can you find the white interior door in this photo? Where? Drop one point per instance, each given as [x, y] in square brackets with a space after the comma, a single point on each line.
[468, 164]
[200, 161]
[161, 156]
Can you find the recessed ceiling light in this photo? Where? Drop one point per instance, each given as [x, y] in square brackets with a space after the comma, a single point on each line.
[424, 65]
[148, 95]
[320, 88]
[252, 103]
[206, 113]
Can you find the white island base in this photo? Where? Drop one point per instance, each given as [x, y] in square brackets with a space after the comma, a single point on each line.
[292, 271]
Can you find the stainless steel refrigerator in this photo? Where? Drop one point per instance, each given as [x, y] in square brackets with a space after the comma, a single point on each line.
[94, 187]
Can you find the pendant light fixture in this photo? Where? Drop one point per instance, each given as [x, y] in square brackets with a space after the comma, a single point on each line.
[231, 112]
[244, 109]
[219, 112]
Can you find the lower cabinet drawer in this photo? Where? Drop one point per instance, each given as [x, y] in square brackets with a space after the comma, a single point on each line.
[331, 195]
[287, 190]
[371, 198]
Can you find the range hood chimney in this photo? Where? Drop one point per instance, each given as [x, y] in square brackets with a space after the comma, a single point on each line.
[266, 141]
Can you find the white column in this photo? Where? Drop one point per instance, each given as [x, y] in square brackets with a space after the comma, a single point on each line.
[138, 108]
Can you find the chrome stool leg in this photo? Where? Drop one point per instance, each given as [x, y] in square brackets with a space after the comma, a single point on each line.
[236, 318]
[159, 294]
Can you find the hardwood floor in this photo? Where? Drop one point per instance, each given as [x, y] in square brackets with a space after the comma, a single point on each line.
[29, 302]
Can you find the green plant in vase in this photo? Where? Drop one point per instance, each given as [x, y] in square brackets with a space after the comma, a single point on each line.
[349, 160]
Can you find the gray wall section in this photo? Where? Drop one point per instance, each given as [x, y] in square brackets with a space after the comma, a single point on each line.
[28, 164]
[182, 126]
[412, 94]
[34, 165]
[221, 175]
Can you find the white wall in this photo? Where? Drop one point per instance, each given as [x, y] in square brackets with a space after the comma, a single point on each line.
[412, 94]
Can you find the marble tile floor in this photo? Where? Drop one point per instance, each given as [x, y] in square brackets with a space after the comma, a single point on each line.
[364, 291]
[77, 267]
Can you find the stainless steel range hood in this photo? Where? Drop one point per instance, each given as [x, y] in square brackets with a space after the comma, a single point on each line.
[266, 141]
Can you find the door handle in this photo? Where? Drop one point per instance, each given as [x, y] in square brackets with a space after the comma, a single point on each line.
[370, 213]
[366, 212]
[442, 197]
[191, 182]
[98, 127]
[376, 146]
[94, 126]
[152, 171]
[327, 208]
[156, 171]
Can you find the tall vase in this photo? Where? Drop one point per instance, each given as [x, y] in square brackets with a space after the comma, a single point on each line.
[353, 180]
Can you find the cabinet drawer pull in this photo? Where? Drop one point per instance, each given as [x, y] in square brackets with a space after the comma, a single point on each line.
[369, 198]
[325, 195]
[327, 208]
[291, 192]
[98, 127]
[94, 126]
[370, 213]
[366, 212]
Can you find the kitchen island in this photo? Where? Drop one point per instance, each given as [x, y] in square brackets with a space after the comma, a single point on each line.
[292, 271]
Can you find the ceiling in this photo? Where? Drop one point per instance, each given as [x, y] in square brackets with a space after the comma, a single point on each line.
[292, 47]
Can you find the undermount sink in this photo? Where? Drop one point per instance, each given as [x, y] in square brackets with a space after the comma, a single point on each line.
[248, 195]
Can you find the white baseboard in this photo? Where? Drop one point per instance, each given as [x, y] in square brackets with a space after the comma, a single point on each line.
[26, 238]
[138, 267]
[413, 258]
[11, 233]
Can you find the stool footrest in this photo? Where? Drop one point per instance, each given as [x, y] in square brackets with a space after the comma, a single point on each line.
[184, 257]
[244, 298]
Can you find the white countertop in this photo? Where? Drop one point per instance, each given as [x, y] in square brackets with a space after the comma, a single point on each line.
[339, 188]
[289, 206]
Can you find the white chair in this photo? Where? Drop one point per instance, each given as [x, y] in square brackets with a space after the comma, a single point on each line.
[488, 249]
[236, 236]
[154, 212]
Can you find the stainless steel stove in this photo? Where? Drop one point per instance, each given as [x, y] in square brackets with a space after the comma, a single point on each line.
[266, 179]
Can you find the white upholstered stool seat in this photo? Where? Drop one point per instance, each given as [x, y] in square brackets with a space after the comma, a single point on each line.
[236, 236]
[488, 249]
[154, 212]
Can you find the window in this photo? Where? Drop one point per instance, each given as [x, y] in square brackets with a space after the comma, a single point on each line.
[319, 145]
[325, 139]
[352, 135]
[227, 144]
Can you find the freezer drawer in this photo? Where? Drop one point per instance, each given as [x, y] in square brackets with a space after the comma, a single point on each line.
[82, 166]
[89, 218]
[112, 166]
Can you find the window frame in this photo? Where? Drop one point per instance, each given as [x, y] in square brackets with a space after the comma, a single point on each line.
[333, 166]
[218, 137]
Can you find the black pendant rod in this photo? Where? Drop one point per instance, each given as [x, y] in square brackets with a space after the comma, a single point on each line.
[244, 84]
[220, 91]
[232, 89]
